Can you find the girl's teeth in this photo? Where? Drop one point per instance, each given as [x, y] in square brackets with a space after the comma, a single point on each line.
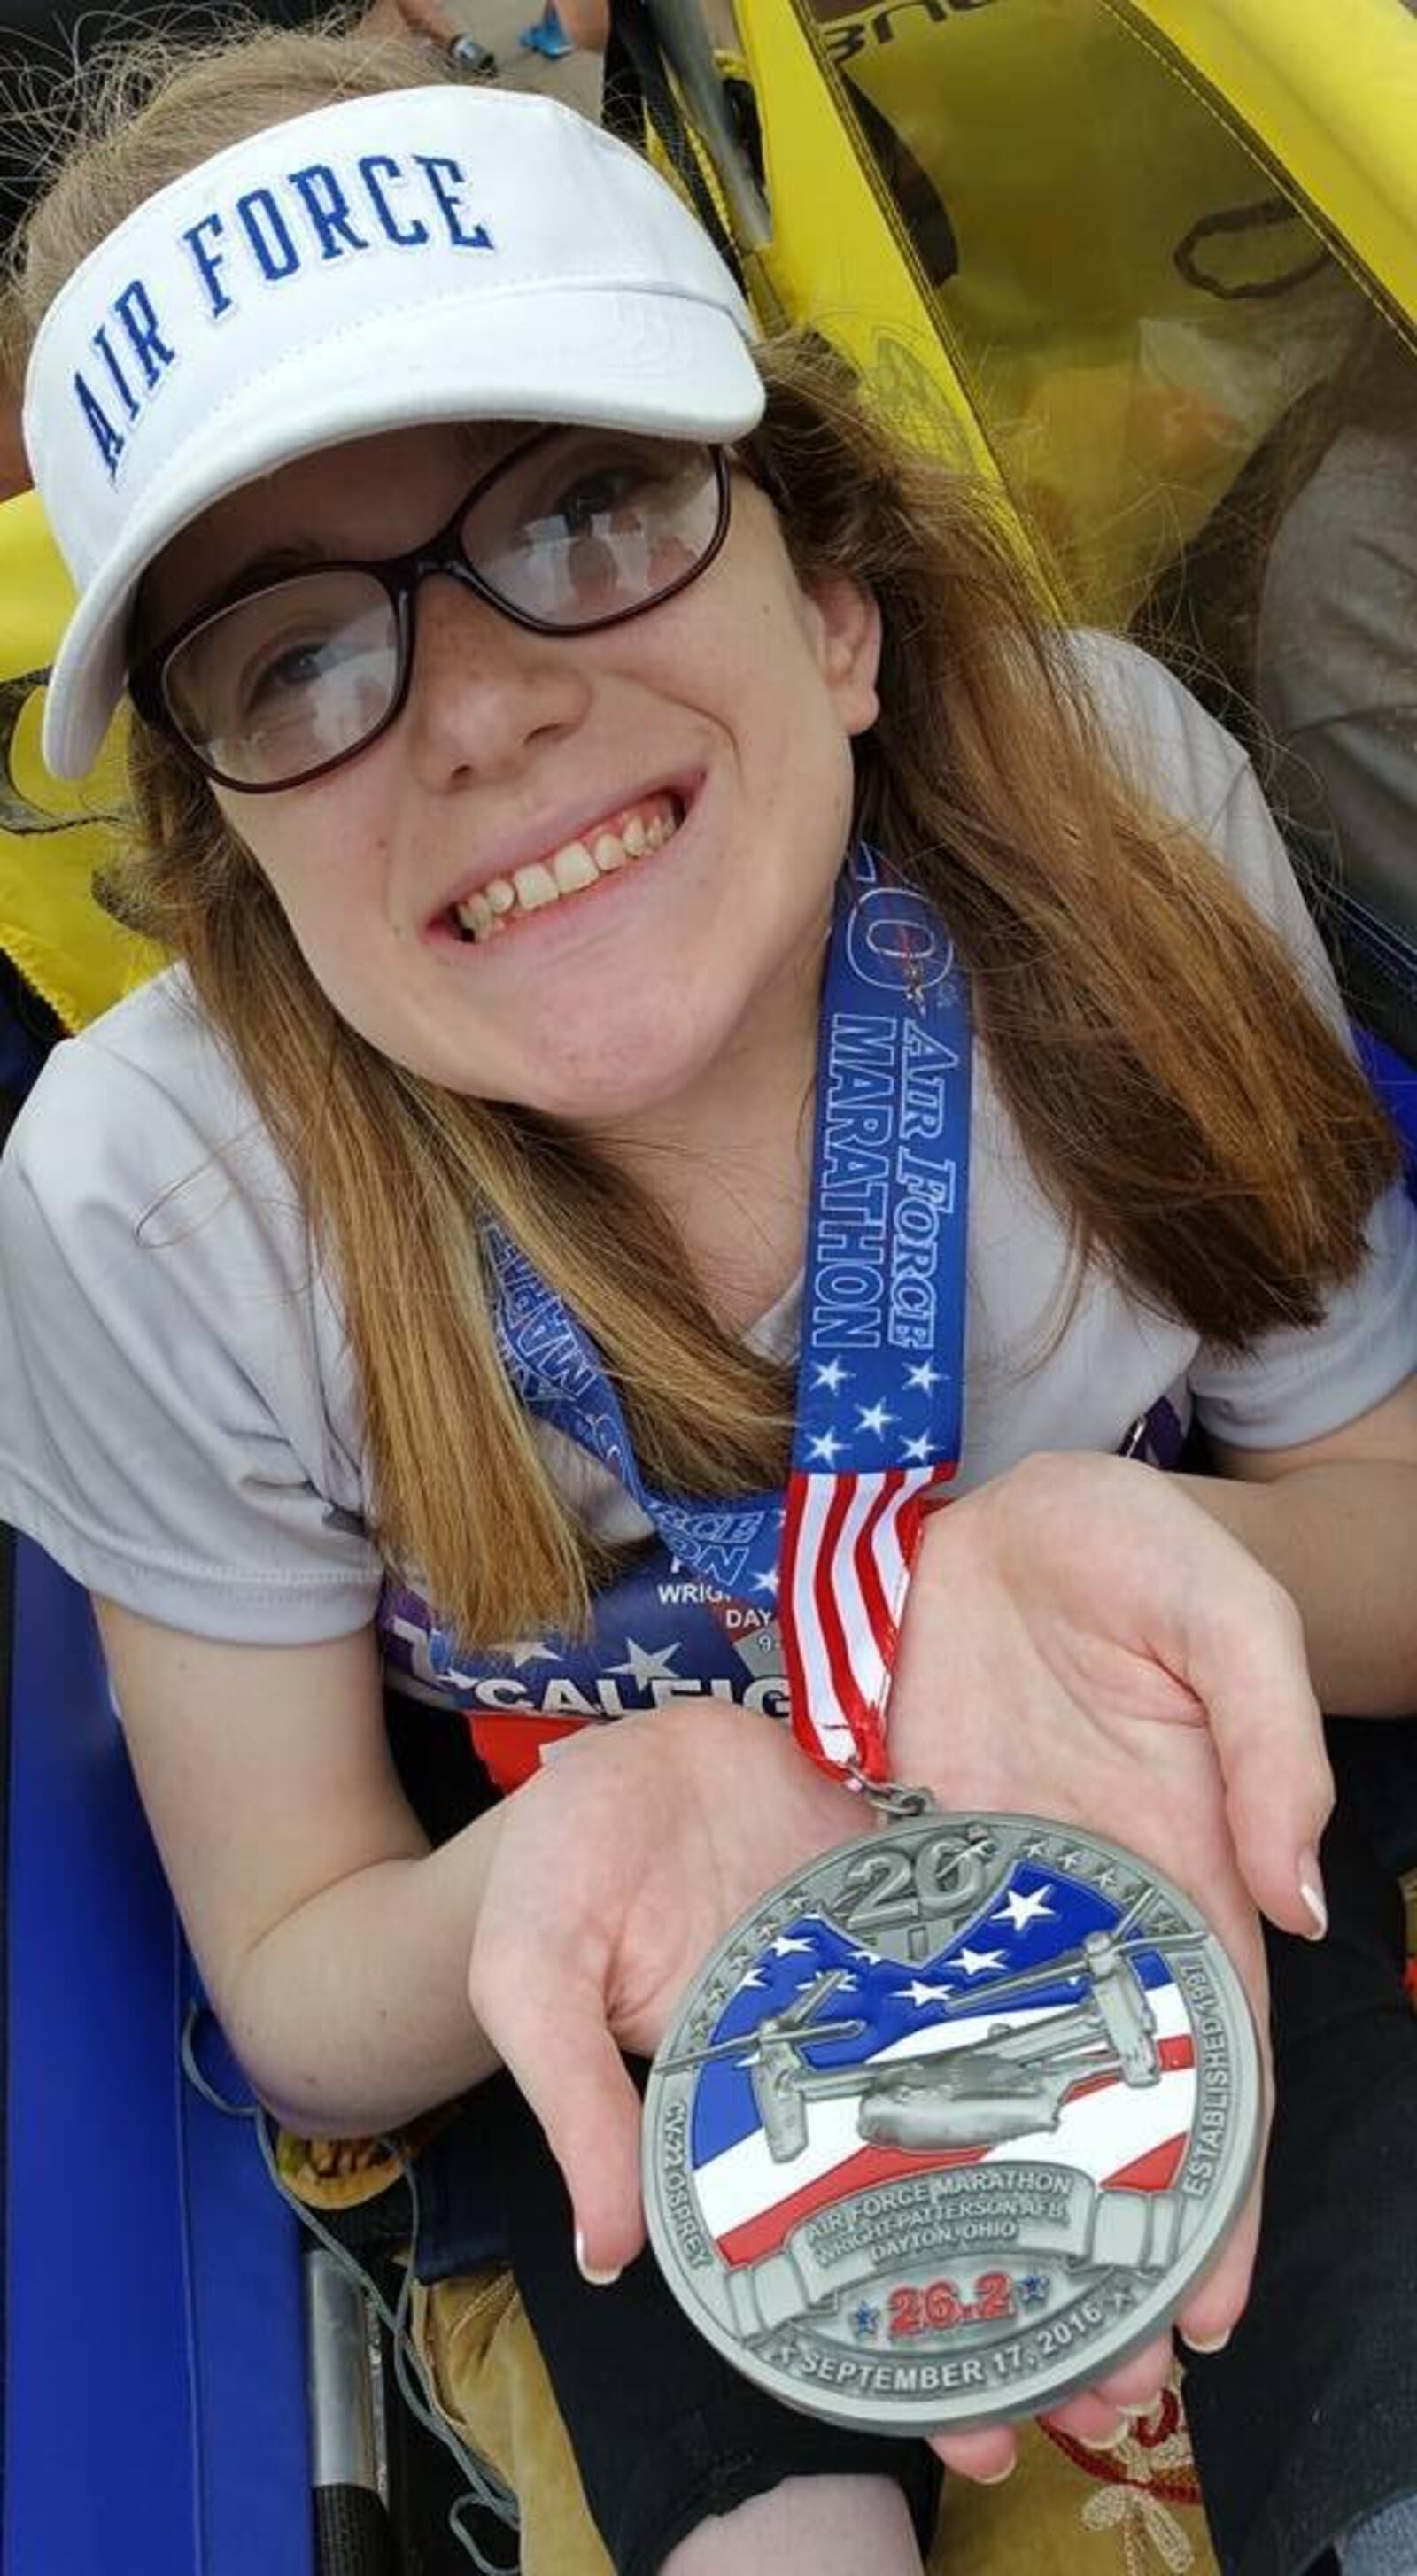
[535, 886]
[530, 889]
[573, 867]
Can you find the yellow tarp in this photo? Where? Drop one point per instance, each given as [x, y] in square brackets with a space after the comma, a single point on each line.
[63, 943]
[1068, 250]
[1330, 96]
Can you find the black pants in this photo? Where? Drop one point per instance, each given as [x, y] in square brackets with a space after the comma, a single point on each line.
[664, 2432]
[1307, 2422]
[1304, 2425]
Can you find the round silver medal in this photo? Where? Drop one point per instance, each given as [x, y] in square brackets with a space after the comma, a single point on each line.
[950, 2123]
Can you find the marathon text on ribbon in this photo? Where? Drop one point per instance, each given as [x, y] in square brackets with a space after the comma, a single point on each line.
[888, 1184]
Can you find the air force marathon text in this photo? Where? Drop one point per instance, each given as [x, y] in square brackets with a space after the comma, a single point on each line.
[886, 1187]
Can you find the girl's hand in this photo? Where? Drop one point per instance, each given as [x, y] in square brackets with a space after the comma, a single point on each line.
[1076, 1634]
[1082, 1642]
[616, 1870]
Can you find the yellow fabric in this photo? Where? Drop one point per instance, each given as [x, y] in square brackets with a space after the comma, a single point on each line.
[51, 840]
[344, 2173]
[839, 258]
[1332, 94]
[1064, 2512]
[1067, 2511]
[852, 278]
[1127, 316]
[485, 2372]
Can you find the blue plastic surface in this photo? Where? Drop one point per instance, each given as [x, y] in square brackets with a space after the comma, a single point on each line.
[1396, 1085]
[154, 2363]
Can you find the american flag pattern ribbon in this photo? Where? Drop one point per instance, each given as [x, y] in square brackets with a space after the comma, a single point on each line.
[880, 1376]
[880, 1384]
[848, 1545]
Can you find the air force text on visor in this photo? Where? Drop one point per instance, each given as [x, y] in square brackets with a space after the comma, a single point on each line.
[268, 236]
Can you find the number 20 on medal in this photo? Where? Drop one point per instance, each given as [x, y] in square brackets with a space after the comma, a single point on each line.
[886, 1887]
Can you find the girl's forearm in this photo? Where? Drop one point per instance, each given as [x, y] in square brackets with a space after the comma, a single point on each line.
[352, 2015]
[1342, 1539]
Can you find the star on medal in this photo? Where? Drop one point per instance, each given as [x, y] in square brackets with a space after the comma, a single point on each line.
[1020, 1910]
[975, 1962]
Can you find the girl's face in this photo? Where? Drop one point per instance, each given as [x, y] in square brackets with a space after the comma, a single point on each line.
[713, 731]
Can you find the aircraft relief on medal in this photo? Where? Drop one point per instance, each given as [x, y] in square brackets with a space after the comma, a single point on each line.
[950, 2123]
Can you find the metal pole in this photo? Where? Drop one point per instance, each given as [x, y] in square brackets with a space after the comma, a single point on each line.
[352, 2533]
[683, 37]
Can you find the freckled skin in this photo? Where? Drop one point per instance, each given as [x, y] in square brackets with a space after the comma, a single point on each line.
[637, 994]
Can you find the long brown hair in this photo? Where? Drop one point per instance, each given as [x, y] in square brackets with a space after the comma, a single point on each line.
[1180, 1097]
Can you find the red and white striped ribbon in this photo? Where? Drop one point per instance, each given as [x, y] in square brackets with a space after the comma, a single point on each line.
[847, 1548]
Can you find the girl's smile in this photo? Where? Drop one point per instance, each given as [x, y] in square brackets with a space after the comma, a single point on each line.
[515, 890]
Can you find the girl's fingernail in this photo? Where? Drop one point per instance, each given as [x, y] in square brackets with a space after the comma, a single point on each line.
[996, 2477]
[1311, 1888]
[1207, 2343]
[588, 2272]
[1112, 2441]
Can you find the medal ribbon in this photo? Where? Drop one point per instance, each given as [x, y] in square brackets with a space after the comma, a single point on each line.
[880, 1377]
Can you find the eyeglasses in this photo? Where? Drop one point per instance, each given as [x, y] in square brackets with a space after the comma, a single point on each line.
[576, 530]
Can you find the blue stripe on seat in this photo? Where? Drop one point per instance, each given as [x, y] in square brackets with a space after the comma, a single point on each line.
[153, 2364]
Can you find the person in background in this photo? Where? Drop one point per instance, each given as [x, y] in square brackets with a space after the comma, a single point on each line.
[548, 35]
[1335, 651]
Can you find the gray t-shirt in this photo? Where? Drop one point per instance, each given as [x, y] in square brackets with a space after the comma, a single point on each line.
[1336, 666]
[180, 1421]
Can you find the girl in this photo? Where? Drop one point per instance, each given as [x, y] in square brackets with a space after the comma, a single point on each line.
[527, 675]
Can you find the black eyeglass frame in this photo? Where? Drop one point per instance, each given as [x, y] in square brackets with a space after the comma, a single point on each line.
[399, 577]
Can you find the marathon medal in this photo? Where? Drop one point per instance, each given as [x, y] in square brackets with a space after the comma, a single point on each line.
[951, 2123]
[952, 2120]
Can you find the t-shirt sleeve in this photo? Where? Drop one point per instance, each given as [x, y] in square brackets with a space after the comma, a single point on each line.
[165, 1354]
[1294, 1386]
[1335, 674]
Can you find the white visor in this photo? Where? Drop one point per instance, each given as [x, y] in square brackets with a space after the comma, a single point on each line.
[422, 255]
